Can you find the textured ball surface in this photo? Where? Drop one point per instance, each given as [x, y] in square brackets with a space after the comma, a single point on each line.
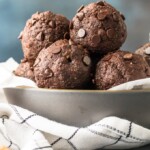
[120, 67]
[25, 69]
[41, 31]
[62, 66]
[99, 27]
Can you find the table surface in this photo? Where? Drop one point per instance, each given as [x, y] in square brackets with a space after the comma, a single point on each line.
[3, 100]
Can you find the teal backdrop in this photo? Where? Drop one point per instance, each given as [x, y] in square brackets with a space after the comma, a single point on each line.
[14, 13]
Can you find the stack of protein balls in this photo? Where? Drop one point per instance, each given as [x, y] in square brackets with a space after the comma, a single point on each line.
[79, 54]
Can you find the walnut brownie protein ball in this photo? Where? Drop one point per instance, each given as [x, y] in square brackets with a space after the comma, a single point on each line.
[25, 69]
[99, 27]
[62, 66]
[120, 67]
[41, 31]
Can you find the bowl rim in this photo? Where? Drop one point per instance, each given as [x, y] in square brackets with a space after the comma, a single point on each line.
[26, 88]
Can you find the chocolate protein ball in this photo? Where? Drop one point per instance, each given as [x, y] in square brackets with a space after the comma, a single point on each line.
[62, 66]
[99, 27]
[41, 31]
[120, 67]
[145, 51]
[25, 69]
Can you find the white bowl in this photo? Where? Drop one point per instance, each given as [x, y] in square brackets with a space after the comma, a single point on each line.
[83, 107]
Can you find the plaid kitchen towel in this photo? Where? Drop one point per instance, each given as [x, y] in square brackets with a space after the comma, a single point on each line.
[21, 129]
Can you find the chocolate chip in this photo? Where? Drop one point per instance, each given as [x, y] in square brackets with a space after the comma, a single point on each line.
[48, 44]
[38, 60]
[101, 16]
[81, 33]
[80, 16]
[102, 34]
[96, 39]
[82, 6]
[20, 35]
[115, 17]
[101, 3]
[23, 60]
[66, 36]
[48, 73]
[65, 47]
[68, 58]
[122, 16]
[57, 50]
[71, 25]
[40, 36]
[147, 51]
[128, 56]
[110, 33]
[106, 58]
[70, 42]
[66, 53]
[52, 24]
[86, 60]
[33, 22]
[51, 74]
[37, 12]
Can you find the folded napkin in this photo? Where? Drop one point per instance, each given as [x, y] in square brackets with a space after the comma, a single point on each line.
[21, 129]
[8, 79]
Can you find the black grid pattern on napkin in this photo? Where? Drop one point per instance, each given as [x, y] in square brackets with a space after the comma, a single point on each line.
[112, 137]
[129, 131]
[28, 118]
[43, 147]
[74, 134]
[116, 139]
[128, 135]
[11, 143]
[25, 121]
[57, 140]
[72, 145]
[113, 143]
[68, 140]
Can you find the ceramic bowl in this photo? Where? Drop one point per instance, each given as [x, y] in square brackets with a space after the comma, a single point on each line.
[83, 107]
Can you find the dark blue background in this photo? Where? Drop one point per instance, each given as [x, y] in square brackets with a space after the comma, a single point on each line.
[14, 13]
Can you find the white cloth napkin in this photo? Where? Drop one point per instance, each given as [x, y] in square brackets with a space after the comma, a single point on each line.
[25, 130]
[134, 85]
[21, 129]
[8, 79]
